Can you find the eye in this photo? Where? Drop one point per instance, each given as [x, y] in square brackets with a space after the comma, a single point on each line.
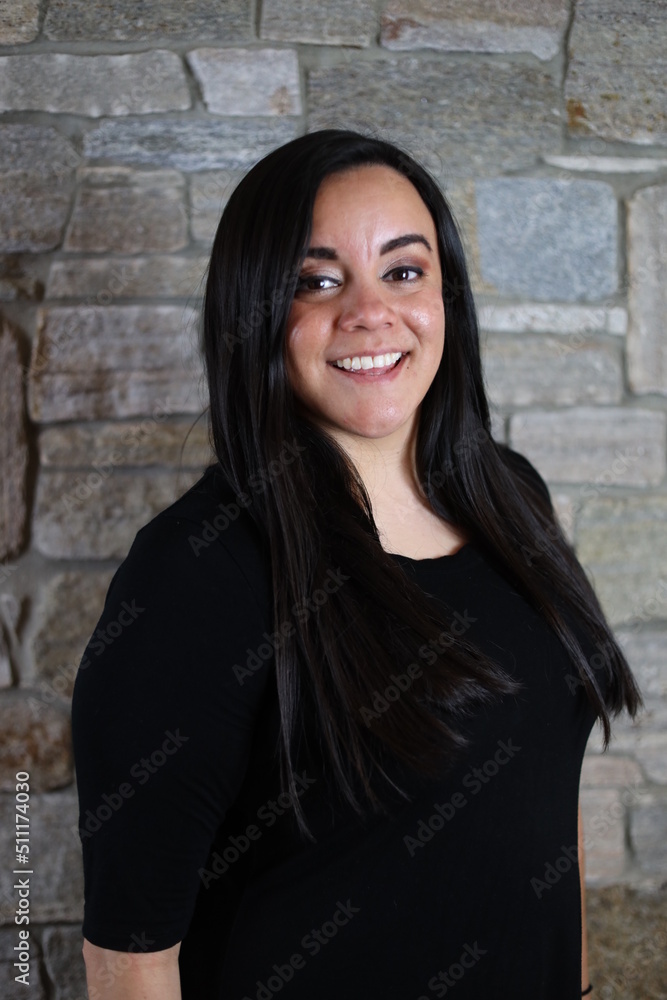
[404, 274]
[315, 283]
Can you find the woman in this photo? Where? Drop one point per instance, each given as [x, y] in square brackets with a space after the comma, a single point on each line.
[336, 748]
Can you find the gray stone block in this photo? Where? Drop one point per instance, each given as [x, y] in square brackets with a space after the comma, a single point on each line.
[11, 990]
[64, 962]
[648, 823]
[125, 211]
[329, 22]
[35, 738]
[646, 738]
[195, 144]
[610, 771]
[13, 444]
[209, 194]
[36, 183]
[483, 26]
[101, 282]
[540, 369]
[56, 887]
[91, 20]
[248, 81]
[604, 833]
[647, 294]
[600, 447]
[96, 361]
[19, 21]
[616, 84]
[575, 322]
[95, 86]
[461, 118]
[645, 651]
[88, 517]
[548, 239]
[623, 545]
[126, 443]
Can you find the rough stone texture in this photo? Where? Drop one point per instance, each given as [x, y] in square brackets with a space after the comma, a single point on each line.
[623, 544]
[233, 144]
[604, 833]
[121, 361]
[209, 193]
[103, 281]
[574, 321]
[245, 82]
[89, 20]
[480, 26]
[64, 962]
[135, 443]
[19, 21]
[36, 174]
[608, 771]
[69, 607]
[648, 823]
[6, 674]
[646, 738]
[94, 85]
[645, 650]
[548, 239]
[13, 444]
[11, 990]
[609, 164]
[647, 293]
[34, 739]
[616, 84]
[538, 369]
[85, 516]
[21, 278]
[627, 939]
[598, 447]
[56, 889]
[126, 211]
[329, 22]
[464, 118]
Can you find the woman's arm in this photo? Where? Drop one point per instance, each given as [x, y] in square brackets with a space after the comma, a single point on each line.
[585, 981]
[128, 975]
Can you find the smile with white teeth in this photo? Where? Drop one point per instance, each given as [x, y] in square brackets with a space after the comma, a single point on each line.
[366, 361]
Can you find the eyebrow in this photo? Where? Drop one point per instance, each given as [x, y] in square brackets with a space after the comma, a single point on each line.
[328, 253]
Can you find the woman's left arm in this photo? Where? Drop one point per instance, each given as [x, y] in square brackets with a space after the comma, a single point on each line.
[585, 981]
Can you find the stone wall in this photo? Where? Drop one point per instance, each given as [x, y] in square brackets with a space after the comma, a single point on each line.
[123, 127]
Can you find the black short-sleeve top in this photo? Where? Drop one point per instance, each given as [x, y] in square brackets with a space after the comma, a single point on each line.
[470, 887]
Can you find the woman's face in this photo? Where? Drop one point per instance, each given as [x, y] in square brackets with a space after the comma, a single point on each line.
[370, 286]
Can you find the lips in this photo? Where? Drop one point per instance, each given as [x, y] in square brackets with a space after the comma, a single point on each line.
[366, 374]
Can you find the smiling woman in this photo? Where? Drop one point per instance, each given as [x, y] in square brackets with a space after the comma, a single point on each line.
[386, 645]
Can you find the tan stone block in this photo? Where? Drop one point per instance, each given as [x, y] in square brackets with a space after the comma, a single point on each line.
[329, 22]
[209, 193]
[19, 21]
[34, 738]
[609, 771]
[604, 816]
[647, 294]
[248, 81]
[102, 282]
[144, 443]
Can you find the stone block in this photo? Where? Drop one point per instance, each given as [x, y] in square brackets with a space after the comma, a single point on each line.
[56, 888]
[647, 293]
[64, 962]
[548, 239]
[11, 990]
[101, 282]
[462, 118]
[604, 833]
[330, 22]
[19, 21]
[248, 81]
[36, 183]
[608, 771]
[86, 516]
[540, 369]
[600, 447]
[114, 361]
[195, 144]
[13, 444]
[21, 278]
[7, 942]
[482, 26]
[93, 20]
[126, 443]
[95, 86]
[645, 651]
[623, 544]
[69, 607]
[575, 322]
[209, 193]
[646, 738]
[616, 84]
[125, 211]
[648, 823]
[37, 741]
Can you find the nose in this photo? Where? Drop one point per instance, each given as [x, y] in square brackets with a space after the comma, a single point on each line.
[365, 307]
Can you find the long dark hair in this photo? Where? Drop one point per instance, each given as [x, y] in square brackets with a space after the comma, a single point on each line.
[316, 516]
